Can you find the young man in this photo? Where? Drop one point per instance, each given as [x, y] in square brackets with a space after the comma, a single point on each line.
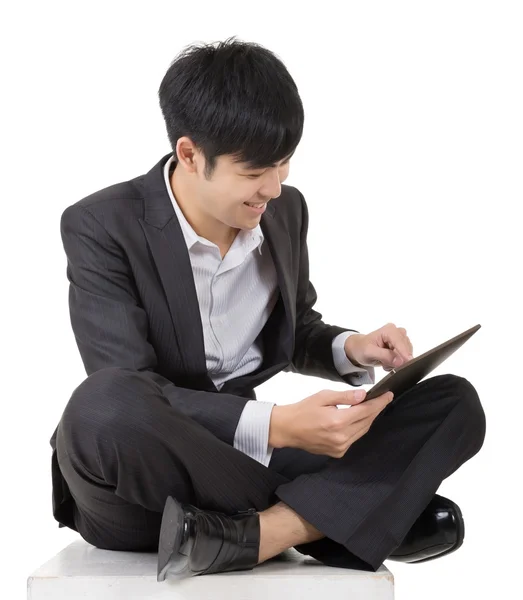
[189, 287]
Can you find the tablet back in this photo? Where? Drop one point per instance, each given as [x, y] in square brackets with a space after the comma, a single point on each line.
[413, 371]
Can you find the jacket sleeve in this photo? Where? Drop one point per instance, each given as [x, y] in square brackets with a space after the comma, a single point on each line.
[111, 327]
[313, 351]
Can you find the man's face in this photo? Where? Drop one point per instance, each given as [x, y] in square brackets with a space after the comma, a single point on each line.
[233, 184]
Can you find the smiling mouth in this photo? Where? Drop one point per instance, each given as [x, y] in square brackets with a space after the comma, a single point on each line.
[256, 204]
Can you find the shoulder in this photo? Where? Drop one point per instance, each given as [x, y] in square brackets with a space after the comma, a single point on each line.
[119, 203]
[291, 208]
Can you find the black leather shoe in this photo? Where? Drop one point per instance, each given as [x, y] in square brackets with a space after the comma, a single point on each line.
[438, 531]
[196, 542]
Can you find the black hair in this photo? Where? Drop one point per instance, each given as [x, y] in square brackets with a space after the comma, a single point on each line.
[237, 98]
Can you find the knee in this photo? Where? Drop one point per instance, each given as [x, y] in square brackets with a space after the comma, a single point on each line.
[108, 399]
[471, 411]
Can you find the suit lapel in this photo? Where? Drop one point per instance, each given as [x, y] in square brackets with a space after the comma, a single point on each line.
[167, 244]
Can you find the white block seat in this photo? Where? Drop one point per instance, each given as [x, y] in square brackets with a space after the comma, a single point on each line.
[83, 571]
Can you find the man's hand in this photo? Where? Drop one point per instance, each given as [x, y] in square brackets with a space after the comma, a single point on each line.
[317, 425]
[388, 347]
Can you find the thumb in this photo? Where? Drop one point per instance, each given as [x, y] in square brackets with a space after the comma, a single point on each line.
[345, 397]
[384, 356]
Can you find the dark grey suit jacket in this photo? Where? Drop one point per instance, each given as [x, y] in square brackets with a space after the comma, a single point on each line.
[133, 303]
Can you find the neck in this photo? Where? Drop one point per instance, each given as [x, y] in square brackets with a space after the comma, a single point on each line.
[203, 224]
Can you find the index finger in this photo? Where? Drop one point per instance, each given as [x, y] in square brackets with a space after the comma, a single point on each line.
[363, 410]
[400, 342]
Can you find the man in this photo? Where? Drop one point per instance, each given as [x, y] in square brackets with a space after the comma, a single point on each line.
[189, 287]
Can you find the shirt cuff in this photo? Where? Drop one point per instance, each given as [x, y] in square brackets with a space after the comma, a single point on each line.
[252, 434]
[358, 375]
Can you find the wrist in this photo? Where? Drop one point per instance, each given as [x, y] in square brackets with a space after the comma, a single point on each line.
[278, 427]
[349, 348]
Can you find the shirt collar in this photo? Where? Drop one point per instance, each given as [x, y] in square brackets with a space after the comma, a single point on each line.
[252, 238]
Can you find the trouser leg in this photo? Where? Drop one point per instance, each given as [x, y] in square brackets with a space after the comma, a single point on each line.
[123, 449]
[366, 502]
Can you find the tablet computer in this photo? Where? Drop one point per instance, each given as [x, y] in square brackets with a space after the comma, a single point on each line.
[410, 373]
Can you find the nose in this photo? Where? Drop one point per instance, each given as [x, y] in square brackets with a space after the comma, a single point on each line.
[272, 186]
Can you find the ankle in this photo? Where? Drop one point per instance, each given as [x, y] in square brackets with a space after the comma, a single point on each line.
[282, 528]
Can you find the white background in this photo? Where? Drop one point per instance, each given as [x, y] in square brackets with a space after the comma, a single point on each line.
[411, 164]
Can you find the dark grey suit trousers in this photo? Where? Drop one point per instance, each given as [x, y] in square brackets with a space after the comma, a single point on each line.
[122, 448]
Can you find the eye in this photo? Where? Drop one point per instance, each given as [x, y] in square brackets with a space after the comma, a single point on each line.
[260, 174]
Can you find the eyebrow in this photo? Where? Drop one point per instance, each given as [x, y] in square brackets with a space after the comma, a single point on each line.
[286, 160]
[273, 164]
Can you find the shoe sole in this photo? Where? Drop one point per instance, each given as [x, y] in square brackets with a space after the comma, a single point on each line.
[170, 559]
[459, 542]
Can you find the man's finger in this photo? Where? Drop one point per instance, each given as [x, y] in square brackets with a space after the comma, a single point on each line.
[359, 412]
[400, 343]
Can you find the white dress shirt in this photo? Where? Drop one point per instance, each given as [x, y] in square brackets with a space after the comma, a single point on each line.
[242, 289]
